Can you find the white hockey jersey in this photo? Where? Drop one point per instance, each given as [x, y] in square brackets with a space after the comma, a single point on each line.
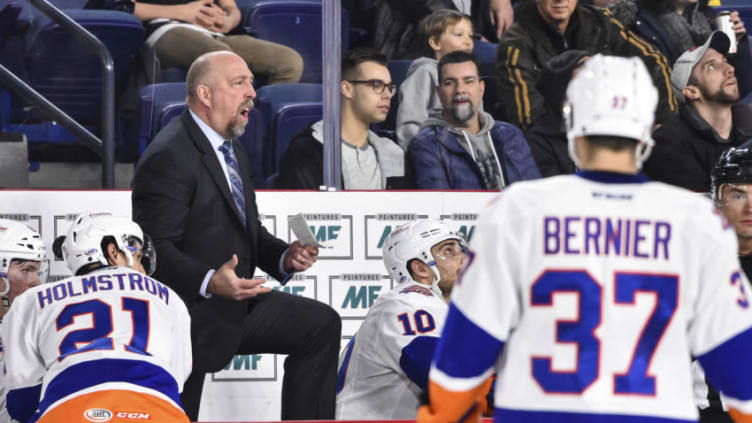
[383, 367]
[589, 295]
[4, 417]
[113, 328]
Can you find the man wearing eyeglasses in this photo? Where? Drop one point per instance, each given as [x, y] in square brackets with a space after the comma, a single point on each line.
[466, 148]
[369, 162]
[384, 367]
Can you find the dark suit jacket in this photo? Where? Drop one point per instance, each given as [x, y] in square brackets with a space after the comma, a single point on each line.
[181, 198]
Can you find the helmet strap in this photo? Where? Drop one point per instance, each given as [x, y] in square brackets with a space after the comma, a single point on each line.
[435, 284]
[642, 152]
[6, 284]
[573, 151]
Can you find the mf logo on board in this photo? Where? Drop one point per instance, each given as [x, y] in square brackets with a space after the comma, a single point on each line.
[463, 223]
[379, 226]
[333, 230]
[352, 294]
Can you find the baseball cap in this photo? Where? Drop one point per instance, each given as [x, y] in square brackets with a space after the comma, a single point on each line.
[718, 40]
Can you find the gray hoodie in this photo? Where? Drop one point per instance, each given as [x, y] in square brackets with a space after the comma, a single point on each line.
[380, 158]
[480, 147]
[417, 99]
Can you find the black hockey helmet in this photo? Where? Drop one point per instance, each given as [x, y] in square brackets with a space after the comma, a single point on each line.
[735, 165]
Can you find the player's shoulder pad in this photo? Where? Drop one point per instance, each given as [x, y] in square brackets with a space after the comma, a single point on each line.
[417, 289]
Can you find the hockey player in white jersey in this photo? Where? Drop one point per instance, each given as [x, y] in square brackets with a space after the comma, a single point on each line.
[384, 367]
[23, 265]
[23, 261]
[590, 293]
[110, 343]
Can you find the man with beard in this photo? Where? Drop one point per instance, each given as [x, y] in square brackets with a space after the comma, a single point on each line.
[687, 147]
[193, 192]
[464, 148]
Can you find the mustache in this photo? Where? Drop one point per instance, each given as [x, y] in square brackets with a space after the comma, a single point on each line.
[246, 104]
[461, 97]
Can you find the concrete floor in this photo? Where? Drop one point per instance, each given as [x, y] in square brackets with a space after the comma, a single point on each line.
[78, 176]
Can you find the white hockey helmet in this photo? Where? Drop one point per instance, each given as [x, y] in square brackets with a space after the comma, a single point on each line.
[18, 241]
[414, 240]
[83, 243]
[611, 96]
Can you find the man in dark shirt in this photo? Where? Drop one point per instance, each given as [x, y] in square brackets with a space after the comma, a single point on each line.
[709, 122]
[546, 28]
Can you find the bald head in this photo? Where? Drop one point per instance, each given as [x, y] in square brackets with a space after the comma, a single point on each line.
[200, 71]
[220, 92]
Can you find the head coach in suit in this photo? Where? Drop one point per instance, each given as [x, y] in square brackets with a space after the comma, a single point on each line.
[192, 191]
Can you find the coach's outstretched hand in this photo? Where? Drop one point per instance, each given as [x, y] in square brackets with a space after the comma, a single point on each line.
[225, 283]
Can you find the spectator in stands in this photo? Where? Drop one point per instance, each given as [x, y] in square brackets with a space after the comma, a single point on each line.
[547, 137]
[545, 28]
[193, 193]
[443, 32]
[392, 25]
[465, 148]
[687, 147]
[369, 162]
[182, 30]
[674, 26]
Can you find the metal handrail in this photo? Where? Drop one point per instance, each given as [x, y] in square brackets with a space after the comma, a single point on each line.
[104, 147]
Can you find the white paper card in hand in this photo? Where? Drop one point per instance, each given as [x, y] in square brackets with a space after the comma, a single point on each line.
[302, 231]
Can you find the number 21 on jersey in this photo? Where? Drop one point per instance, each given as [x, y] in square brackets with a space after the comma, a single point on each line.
[97, 337]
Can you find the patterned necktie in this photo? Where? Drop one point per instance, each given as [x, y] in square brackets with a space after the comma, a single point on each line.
[236, 184]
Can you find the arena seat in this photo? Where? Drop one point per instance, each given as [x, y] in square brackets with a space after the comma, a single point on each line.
[154, 100]
[291, 119]
[484, 51]
[270, 100]
[66, 72]
[60, 67]
[296, 24]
